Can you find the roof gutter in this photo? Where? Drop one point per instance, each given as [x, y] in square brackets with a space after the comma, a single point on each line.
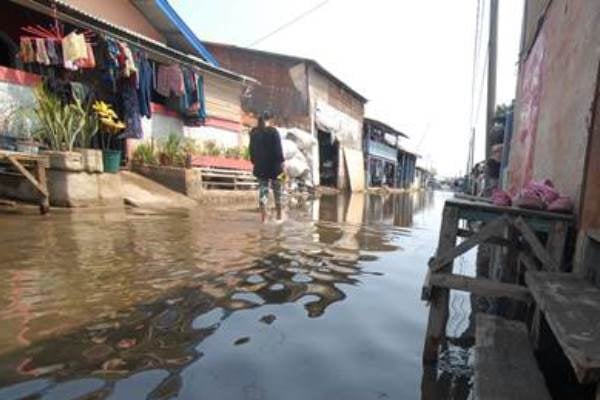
[76, 17]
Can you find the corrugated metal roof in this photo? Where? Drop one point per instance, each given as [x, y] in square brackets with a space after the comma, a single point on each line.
[165, 19]
[384, 126]
[312, 62]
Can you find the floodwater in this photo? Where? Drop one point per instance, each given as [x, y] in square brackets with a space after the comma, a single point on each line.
[213, 305]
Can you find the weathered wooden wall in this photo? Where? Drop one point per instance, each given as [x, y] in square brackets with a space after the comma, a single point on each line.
[282, 87]
[554, 99]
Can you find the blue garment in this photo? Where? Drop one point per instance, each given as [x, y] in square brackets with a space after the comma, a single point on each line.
[144, 85]
[131, 110]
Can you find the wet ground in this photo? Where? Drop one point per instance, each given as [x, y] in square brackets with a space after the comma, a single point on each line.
[213, 305]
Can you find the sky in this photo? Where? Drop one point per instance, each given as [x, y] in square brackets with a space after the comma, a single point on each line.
[413, 59]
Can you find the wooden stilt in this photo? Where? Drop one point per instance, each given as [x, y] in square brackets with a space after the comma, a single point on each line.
[438, 309]
[41, 178]
[556, 241]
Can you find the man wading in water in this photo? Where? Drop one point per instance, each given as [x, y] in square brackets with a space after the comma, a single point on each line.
[267, 156]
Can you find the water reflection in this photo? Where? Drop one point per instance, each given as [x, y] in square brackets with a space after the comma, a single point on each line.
[150, 306]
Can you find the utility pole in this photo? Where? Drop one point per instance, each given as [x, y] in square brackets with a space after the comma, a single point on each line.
[491, 84]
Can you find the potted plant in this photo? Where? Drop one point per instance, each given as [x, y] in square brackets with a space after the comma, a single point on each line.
[109, 127]
[59, 127]
[91, 158]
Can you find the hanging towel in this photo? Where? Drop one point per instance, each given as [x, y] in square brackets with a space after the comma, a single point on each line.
[74, 49]
[27, 51]
[41, 55]
[128, 63]
[53, 54]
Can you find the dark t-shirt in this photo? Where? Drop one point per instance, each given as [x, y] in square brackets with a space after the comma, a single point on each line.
[266, 153]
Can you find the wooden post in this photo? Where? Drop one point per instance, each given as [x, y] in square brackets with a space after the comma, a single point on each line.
[438, 309]
[41, 178]
[557, 241]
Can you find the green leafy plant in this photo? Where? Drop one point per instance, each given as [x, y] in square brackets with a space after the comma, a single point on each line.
[60, 124]
[172, 151]
[233, 152]
[211, 148]
[145, 154]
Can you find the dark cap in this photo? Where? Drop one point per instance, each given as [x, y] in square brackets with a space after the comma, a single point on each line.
[266, 115]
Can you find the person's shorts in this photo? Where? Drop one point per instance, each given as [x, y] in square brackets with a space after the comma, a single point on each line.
[263, 191]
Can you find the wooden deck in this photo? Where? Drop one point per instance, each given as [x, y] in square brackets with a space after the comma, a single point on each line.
[219, 178]
[505, 367]
[480, 222]
[571, 307]
[21, 164]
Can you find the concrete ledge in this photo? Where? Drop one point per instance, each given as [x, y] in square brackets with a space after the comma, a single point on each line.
[187, 181]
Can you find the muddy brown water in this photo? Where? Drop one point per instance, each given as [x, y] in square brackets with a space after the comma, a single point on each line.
[212, 305]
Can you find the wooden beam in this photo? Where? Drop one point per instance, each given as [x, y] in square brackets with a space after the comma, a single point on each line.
[439, 299]
[481, 286]
[492, 228]
[499, 241]
[27, 175]
[536, 246]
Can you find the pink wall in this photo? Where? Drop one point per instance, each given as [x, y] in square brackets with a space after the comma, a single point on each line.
[555, 98]
[121, 13]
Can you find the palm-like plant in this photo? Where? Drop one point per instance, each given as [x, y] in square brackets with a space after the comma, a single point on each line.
[61, 125]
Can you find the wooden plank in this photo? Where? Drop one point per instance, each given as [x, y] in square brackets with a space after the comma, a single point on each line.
[40, 174]
[557, 240]
[511, 211]
[505, 367]
[490, 229]
[536, 246]
[438, 308]
[499, 241]
[469, 197]
[571, 307]
[481, 286]
[28, 175]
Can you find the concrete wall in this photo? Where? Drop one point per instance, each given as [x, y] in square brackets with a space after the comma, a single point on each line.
[121, 13]
[187, 181]
[556, 88]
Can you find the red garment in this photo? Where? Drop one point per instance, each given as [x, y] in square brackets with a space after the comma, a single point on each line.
[170, 80]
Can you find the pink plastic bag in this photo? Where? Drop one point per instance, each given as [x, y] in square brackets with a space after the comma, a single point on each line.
[563, 204]
[501, 198]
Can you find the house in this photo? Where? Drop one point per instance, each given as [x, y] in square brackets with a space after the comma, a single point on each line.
[150, 25]
[302, 94]
[386, 163]
[557, 108]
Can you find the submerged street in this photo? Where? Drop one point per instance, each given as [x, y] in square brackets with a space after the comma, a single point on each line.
[214, 305]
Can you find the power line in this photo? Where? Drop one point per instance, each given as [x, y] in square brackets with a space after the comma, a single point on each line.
[289, 23]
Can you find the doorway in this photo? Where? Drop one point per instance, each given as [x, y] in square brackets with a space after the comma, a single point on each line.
[328, 159]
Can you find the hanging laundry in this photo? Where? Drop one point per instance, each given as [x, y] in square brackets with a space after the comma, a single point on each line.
[90, 61]
[110, 61]
[144, 84]
[27, 50]
[41, 55]
[170, 81]
[54, 52]
[127, 62]
[131, 110]
[74, 49]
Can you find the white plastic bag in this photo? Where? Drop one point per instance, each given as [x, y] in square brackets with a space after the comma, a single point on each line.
[304, 140]
[290, 149]
[296, 166]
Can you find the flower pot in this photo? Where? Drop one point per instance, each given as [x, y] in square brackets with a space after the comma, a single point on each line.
[27, 146]
[111, 160]
[64, 160]
[92, 160]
